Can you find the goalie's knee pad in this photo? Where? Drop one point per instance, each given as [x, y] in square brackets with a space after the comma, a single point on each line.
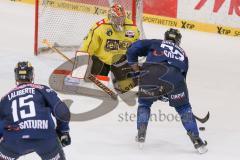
[125, 85]
[121, 69]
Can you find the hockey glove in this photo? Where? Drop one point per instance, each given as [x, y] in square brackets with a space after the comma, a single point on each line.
[64, 138]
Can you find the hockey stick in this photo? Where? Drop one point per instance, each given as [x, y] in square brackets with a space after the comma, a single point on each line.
[102, 86]
[202, 120]
[45, 41]
[90, 77]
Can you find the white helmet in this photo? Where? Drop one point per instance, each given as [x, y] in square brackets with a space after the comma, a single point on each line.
[117, 16]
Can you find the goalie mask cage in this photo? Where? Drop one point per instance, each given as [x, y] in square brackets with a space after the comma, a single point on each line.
[65, 23]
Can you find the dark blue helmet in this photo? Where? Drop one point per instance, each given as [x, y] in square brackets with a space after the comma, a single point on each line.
[173, 35]
[24, 72]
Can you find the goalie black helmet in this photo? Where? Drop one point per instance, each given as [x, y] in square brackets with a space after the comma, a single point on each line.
[173, 35]
[23, 72]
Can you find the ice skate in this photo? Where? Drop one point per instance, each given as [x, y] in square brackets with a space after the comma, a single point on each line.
[140, 138]
[199, 145]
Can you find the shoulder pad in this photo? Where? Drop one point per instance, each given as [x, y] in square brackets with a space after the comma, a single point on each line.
[38, 86]
[99, 23]
[44, 88]
[2, 98]
[48, 89]
[128, 22]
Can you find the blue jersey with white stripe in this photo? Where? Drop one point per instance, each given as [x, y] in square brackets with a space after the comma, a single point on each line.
[26, 112]
[158, 51]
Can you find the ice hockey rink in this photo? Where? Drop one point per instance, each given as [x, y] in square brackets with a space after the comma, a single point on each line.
[213, 82]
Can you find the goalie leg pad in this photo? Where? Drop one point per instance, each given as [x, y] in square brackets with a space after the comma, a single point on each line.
[125, 85]
[122, 82]
[98, 67]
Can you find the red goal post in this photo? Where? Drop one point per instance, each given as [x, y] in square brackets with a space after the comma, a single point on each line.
[65, 23]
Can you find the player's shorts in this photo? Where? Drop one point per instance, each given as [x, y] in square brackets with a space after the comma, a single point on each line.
[47, 149]
[162, 79]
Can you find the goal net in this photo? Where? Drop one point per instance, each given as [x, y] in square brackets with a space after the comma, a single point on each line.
[65, 23]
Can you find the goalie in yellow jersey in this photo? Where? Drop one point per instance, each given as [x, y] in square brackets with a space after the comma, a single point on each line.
[107, 43]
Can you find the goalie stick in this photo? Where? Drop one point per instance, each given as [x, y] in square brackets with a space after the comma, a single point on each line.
[91, 77]
[45, 41]
[102, 86]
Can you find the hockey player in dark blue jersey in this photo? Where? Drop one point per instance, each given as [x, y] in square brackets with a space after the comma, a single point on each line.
[1, 129]
[163, 77]
[26, 112]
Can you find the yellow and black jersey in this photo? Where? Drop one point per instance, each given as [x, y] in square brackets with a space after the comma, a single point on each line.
[108, 45]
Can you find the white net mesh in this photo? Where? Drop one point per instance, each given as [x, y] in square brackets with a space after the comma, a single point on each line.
[64, 23]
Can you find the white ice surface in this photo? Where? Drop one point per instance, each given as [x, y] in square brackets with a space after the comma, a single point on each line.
[213, 82]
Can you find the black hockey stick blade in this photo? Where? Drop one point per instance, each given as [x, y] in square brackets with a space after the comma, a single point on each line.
[102, 86]
[203, 120]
